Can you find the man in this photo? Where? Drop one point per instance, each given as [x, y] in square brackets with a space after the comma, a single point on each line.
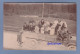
[64, 34]
[26, 26]
[60, 25]
[41, 23]
[19, 38]
[47, 27]
[31, 25]
[63, 24]
[55, 24]
[57, 27]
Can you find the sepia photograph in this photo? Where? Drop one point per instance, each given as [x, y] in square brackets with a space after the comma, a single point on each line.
[39, 26]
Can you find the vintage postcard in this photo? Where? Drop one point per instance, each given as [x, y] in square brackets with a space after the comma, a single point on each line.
[39, 26]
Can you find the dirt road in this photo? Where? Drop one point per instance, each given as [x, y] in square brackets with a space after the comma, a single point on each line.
[10, 42]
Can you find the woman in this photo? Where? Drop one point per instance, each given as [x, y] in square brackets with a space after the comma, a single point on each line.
[42, 30]
[36, 29]
[52, 30]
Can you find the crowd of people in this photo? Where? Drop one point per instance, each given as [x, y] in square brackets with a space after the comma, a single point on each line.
[57, 27]
[45, 27]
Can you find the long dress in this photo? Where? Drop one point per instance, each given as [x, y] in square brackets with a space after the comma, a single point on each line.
[52, 30]
[36, 29]
[42, 30]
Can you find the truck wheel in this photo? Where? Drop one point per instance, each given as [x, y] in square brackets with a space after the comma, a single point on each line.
[32, 43]
[72, 47]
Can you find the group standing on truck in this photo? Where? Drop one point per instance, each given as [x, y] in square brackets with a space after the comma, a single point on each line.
[57, 27]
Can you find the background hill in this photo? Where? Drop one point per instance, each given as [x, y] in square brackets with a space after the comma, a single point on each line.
[15, 14]
[54, 10]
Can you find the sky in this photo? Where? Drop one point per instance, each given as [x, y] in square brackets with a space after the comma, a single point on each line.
[40, 3]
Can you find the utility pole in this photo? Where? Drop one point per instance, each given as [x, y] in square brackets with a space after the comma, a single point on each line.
[43, 11]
